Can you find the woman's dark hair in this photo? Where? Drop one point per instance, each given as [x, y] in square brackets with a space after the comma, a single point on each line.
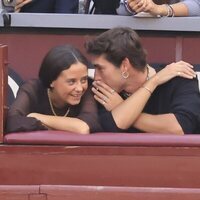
[117, 44]
[58, 59]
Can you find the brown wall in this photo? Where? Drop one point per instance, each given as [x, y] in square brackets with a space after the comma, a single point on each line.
[3, 86]
[28, 46]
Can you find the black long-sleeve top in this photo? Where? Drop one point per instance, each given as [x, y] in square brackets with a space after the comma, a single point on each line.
[179, 96]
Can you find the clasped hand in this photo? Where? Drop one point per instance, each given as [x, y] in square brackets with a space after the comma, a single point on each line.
[142, 5]
[105, 95]
[20, 4]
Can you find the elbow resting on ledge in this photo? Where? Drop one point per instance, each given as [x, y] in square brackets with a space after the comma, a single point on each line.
[177, 130]
[83, 129]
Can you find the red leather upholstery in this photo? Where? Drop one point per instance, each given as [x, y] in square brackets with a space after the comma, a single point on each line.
[103, 139]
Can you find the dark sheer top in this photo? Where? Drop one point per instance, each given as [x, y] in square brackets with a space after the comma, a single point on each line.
[32, 97]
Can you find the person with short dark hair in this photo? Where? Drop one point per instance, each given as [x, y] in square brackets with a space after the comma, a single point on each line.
[133, 96]
[59, 99]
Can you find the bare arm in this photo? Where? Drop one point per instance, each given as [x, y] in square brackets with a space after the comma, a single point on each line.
[141, 96]
[121, 110]
[178, 9]
[62, 123]
[139, 100]
[158, 124]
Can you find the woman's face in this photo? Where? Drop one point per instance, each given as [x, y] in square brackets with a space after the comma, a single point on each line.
[70, 85]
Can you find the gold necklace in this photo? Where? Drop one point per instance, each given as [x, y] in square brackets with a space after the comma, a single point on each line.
[51, 105]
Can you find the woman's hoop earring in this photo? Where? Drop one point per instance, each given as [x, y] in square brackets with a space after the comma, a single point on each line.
[125, 75]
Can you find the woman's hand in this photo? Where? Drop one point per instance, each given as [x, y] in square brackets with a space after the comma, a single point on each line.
[39, 117]
[143, 6]
[181, 69]
[150, 7]
[105, 95]
[20, 4]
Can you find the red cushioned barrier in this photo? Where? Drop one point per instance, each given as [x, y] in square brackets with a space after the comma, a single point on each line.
[97, 139]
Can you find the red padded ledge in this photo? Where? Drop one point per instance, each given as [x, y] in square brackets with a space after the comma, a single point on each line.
[101, 139]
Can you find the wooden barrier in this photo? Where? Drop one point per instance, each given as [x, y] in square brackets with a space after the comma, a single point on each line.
[60, 192]
[103, 159]
[3, 86]
[101, 166]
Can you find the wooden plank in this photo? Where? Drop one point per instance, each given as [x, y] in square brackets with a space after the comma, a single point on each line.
[22, 192]
[118, 193]
[53, 137]
[37, 197]
[3, 86]
[108, 166]
[69, 192]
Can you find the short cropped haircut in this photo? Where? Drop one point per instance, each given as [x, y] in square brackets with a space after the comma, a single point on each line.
[117, 44]
[59, 58]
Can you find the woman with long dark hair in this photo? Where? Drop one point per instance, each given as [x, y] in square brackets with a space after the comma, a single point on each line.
[59, 99]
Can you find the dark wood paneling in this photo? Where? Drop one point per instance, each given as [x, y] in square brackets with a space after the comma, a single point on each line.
[118, 193]
[18, 192]
[68, 192]
[191, 49]
[26, 51]
[3, 87]
[160, 49]
[108, 166]
[28, 46]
